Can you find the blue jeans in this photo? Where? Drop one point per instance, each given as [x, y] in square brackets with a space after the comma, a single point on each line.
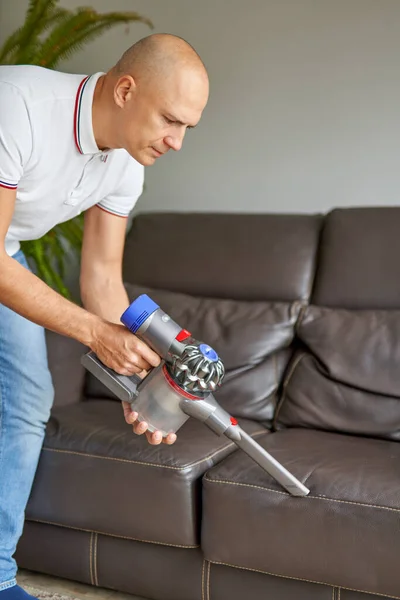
[26, 397]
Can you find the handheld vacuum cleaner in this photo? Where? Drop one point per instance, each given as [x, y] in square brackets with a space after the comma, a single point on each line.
[181, 386]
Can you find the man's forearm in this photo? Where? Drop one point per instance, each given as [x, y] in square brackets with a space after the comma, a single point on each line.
[105, 297]
[29, 296]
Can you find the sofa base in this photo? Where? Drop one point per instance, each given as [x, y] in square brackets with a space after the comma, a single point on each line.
[156, 571]
[223, 581]
[144, 569]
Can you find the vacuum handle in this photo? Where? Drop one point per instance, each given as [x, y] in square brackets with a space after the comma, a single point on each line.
[124, 387]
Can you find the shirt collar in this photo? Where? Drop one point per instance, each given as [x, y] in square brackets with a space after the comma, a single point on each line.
[83, 125]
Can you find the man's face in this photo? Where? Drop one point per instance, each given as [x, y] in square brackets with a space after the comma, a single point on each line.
[157, 114]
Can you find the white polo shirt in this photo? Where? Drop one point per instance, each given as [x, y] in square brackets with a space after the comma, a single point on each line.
[48, 153]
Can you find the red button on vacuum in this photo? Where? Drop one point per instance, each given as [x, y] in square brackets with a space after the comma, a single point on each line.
[183, 335]
[233, 421]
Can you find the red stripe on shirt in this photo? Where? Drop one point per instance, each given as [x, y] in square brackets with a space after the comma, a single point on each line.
[112, 213]
[76, 114]
[8, 187]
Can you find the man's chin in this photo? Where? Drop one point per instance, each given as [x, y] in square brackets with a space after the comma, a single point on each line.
[143, 158]
[148, 161]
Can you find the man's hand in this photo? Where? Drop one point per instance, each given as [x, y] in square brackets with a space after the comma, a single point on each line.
[122, 351]
[126, 354]
[141, 427]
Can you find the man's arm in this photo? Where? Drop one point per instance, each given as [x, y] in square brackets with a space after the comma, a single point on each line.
[29, 296]
[101, 284]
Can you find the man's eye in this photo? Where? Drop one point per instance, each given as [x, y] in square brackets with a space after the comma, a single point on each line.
[169, 121]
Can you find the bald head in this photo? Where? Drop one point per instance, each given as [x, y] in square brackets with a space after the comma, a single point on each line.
[155, 93]
[159, 55]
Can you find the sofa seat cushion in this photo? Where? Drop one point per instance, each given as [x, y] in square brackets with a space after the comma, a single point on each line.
[95, 474]
[345, 533]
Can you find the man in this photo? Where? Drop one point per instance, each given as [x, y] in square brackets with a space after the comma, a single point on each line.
[70, 144]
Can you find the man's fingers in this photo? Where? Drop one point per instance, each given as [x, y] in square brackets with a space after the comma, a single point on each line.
[157, 438]
[154, 438]
[137, 363]
[140, 427]
[170, 439]
[147, 354]
[129, 415]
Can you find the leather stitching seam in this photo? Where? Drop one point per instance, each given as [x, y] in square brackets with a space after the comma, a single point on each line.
[214, 562]
[259, 487]
[122, 537]
[91, 558]
[146, 464]
[96, 581]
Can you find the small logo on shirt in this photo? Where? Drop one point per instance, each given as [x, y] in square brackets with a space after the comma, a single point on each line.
[103, 158]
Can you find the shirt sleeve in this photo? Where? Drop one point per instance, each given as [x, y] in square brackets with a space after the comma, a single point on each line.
[15, 136]
[128, 192]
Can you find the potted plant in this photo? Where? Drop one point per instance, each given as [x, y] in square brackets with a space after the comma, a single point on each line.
[49, 35]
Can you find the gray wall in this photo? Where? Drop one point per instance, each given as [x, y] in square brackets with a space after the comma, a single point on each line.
[304, 107]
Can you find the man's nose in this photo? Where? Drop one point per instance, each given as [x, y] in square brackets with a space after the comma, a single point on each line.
[175, 141]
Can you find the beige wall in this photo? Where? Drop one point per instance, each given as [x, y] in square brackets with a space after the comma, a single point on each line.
[304, 112]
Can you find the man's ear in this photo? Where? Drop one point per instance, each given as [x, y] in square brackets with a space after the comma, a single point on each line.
[124, 90]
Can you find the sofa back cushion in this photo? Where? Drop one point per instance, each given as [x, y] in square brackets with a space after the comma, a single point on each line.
[347, 376]
[358, 265]
[236, 256]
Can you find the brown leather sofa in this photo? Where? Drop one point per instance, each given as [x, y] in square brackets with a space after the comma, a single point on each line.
[305, 312]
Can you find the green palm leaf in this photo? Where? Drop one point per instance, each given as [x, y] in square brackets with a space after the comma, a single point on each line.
[10, 45]
[37, 14]
[74, 32]
[71, 232]
[26, 54]
[50, 253]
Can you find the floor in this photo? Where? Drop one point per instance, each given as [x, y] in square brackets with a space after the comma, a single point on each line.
[69, 588]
